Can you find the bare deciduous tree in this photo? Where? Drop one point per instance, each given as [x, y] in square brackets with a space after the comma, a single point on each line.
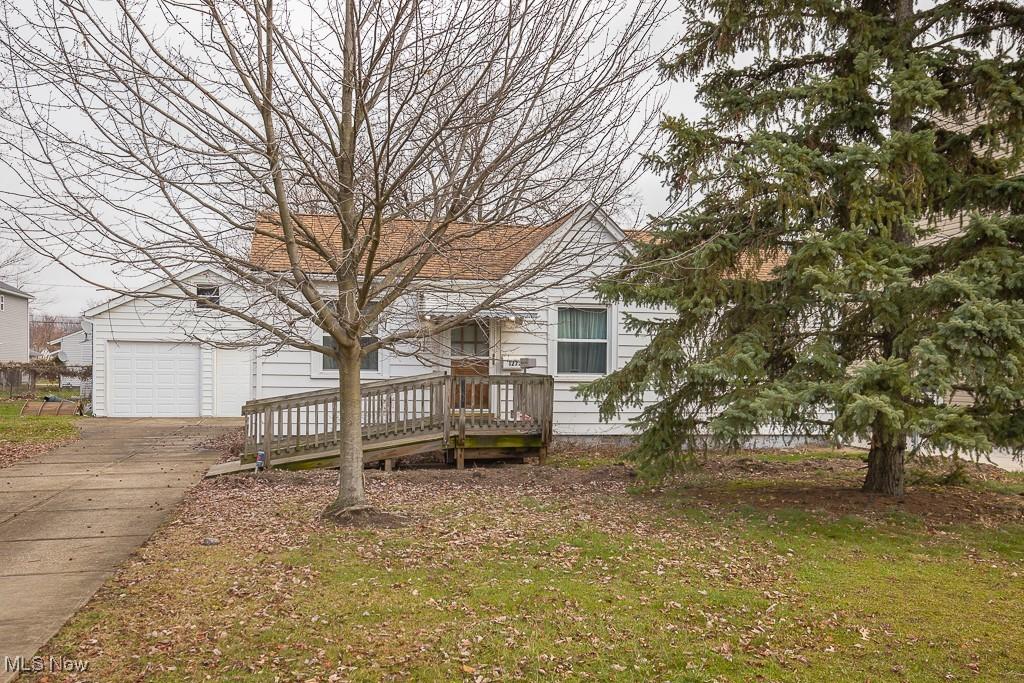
[163, 135]
[17, 263]
[46, 327]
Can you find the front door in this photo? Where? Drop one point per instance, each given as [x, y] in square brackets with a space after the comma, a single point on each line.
[471, 351]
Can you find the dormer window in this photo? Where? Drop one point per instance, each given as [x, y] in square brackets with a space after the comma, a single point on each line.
[207, 296]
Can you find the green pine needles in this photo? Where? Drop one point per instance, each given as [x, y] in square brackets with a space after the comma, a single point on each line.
[852, 266]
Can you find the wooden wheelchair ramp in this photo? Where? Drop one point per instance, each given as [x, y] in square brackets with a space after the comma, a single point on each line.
[401, 418]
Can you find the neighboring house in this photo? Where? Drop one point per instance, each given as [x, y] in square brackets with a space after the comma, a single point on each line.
[149, 359]
[45, 327]
[14, 325]
[76, 348]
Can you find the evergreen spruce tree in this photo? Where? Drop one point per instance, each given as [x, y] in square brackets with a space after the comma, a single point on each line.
[865, 158]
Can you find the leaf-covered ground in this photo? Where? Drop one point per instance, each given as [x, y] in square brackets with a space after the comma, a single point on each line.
[758, 567]
[23, 437]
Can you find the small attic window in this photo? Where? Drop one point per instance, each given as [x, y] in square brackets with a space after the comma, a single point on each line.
[207, 295]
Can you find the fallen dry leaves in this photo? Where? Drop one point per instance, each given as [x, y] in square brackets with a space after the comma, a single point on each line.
[11, 452]
[229, 443]
[831, 487]
[172, 612]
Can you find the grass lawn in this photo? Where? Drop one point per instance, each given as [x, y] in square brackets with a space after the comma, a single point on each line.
[756, 568]
[21, 437]
[73, 393]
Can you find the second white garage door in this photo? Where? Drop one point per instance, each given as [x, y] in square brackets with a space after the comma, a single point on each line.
[153, 379]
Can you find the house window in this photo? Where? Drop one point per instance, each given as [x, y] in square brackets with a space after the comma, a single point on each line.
[369, 363]
[207, 295]
[582, 341]
[3, 302]
[470, 341]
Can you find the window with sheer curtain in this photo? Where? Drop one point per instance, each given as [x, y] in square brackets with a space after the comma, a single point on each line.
[582, 341]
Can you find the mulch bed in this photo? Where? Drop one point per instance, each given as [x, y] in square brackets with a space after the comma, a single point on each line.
[829, 487]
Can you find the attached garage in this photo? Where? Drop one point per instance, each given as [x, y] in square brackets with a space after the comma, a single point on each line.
[153, 379]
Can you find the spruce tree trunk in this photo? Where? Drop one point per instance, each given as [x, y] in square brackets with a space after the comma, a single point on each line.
[351, 496]
[885, 462]
[888, 448]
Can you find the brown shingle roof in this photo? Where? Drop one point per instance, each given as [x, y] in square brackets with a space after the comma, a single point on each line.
[760, 267]
[641, 235]
[466, 251]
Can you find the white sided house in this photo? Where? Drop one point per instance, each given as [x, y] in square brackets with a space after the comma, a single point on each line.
[14, 324]
[76, 351]
[150, 357]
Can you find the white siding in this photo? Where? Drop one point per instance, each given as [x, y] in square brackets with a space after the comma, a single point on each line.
[206, 375]
[232, 382]
[153, 320]
[77, 349]
[291, 370]
[14, 329]
[537, 339]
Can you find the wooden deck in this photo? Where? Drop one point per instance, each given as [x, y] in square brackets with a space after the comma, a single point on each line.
[465, 418]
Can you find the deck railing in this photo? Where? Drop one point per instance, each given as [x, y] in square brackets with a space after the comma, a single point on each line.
[426, 407]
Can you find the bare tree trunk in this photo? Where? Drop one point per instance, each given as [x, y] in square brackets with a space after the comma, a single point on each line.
[351, 497]
[885, 462]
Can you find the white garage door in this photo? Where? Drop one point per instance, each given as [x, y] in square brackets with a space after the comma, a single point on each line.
[153, 379]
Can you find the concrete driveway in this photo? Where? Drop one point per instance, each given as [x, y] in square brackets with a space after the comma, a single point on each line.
[69, 517]
[1005, 460]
